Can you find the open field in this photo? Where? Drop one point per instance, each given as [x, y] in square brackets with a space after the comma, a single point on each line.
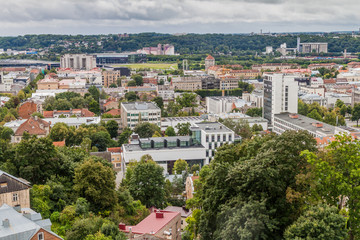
[155, 66]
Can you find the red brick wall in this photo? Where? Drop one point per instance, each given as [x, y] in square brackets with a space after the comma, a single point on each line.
[47, 235]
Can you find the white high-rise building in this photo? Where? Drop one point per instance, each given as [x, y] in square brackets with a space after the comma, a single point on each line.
[280, 95]
[78, 61]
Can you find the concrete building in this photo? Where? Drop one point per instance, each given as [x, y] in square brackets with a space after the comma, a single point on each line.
[187, 83]
[173, 121]
[14, 191]
[280, 95]
[211, 135]
[297, 122]
[209, 62]
[110, 77]
[332, 97]
[256, 97]
[314, 47]
[236, 116]
[133, 113]
[226, 104]
[274, 66]
[165, 151]
[314, 98]
[78, 61]
[48, 83]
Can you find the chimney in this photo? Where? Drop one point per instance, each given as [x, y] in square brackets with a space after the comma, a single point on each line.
[122, 226]
[159, 214]
[17, 208]
[6, 223]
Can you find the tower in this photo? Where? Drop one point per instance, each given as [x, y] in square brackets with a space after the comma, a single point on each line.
[209, 62]
[298, 44]
[280, 95]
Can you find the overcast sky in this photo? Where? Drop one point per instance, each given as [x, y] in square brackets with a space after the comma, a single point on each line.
[19, 17]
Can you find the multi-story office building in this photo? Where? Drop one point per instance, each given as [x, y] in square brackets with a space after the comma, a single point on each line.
[78, 61]
[313, 47]
[110, 77]
[165, 151]
[187, 83]
[133, 113]
[224, 104]
[211, 135]
[280, 95]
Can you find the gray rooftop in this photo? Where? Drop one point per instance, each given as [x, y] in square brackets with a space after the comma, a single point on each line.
[211, 127]
[21, 226]
[306, 123]
[139, 106]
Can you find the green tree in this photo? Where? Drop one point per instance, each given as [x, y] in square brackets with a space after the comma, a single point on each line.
[337, 177]
[179, 166]
[35, 159]
[303, 108]
[6, 133]
[124, 136]
[319, 222]
[131, 83]
[112, 127]
[343, 110]
[94, 107]
[254, 112]
[147, 184]
[355, 114]
[157, 134]
[138, 79]
[101, 140]
[131, 96]
[339, 103]
[314, 114]
[240, 127]
[40, 199]
[159, 102]
[96, 183]
[187, 100]
[62, 104]
[113, 85]
[170, 131]
[59, 132]
[95, 93]
[183, 129]
[146, 129]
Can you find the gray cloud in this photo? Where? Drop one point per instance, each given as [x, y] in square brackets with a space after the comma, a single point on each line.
[103, 16]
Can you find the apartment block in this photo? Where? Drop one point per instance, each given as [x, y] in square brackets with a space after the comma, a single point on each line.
[133, 113]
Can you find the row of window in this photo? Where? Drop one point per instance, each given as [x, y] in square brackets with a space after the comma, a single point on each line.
[218, 138]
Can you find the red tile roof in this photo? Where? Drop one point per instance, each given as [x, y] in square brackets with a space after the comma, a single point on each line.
[209, 57]
[109, 102]
[59, 144]
[114, 112]
[34, 126]
[114, 149]
[26, 109]
[48, 114]
[152, 224]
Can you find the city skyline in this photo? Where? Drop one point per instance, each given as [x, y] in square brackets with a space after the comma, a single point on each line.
[21, 17]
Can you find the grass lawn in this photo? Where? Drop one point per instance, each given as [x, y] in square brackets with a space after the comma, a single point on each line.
[155, 66]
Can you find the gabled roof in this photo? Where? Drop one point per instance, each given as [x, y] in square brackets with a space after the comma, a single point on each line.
[20, 227]
[114, 112]
[184, 212]
[209, 57]
[114, 149]
[34, 126]
[12, 183]
[152, 224]
[59, 144]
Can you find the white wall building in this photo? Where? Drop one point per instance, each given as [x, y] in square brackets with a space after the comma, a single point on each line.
[165, 151]
[211, 135]
[133, 113]
[173, 121]
[280, 95]
[219, 105]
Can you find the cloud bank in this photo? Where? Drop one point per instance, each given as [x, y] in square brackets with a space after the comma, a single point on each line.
[19, 17]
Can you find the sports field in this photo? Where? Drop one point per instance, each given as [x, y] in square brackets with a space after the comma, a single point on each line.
[155, 66]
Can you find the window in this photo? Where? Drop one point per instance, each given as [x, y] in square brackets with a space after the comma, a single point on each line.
[224, 137]
[213, 138]
[207, 138]
[218, 138]
[117, 165]
[230, 137]
[15, 197]
[40, 236]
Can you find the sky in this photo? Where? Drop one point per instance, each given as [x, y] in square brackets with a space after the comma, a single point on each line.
[20, 17]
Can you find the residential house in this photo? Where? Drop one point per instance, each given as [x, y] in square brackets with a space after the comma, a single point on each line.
[83, 112]
[111, 104]
[24, 224]
[14, 191]
[27, 108]
[48, 83]
[33, 126]
[114, 112]
[115, 154]
[163, 224]
[185, 213]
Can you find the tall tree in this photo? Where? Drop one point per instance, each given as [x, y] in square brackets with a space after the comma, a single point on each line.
[183, 129]
[355, 114]
[95, 93]
[170, 131]
[337, 177]
[96, 183]
[146, 129]
[147, 183]
[318, 222]
[179, 166]
[112, 127]
[59, 131]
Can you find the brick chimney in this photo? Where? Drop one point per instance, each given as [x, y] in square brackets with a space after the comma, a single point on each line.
[122, 226]
[159, 214]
